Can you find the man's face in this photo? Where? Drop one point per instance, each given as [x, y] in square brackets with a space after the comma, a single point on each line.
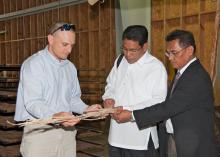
[178, 56]
[61, 44]
[133, 51]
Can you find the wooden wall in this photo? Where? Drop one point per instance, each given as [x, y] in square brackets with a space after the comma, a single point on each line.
[95, 46]
[95, 28]
[197, 16]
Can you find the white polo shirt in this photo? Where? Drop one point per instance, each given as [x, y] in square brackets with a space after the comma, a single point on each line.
[135, 86]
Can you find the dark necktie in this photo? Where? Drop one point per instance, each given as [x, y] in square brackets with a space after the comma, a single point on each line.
[175, 82]
[171, 148]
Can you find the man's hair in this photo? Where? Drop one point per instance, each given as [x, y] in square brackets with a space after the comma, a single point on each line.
[137, 33]
[185, 38]
[57, 25]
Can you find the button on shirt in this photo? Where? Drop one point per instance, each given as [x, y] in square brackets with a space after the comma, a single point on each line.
[135, 86]
[47, 86]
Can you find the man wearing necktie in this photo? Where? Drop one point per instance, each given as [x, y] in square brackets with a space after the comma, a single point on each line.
[188, 108]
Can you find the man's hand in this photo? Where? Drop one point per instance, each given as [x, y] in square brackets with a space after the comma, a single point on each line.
[109, 103]
[123, 116]
[93, 107]
[70, 122]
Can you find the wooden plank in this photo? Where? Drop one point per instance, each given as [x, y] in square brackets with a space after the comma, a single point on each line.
[208, 6]
[173, 8]
[39, 2]
[158, 36]
[8, 44]
[94, 49]
[10, 67]
[13, 6]
[14, 36]
[91, 98]
[55, 15]
[6, 126]
[104, 49]
[93, 17]
[206, 40]
[191, 7]
[6, 5]
[84, 50]
[64, 14]
[18, 4]
[7, 108]
[26, 28]
[32, 3]
[191, 23]
[74, 15]
[48, 20]
[74, 19]
[105, 15]
[7, 95]
[41, 33]
[1, 7]
[10, 151]
[74, 55]
[25, 4]
[20, 35]
[112, 42]
[83, 18]
[8, 80]
[3, 53]
[157, 10]
[10, 137]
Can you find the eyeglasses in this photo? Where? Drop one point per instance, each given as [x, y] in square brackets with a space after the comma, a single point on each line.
[130, 50]
[65, 27]
[173, 52]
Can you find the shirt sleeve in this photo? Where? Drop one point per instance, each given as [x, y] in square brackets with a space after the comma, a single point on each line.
[110, 87]
[32, 81]
[77, 105]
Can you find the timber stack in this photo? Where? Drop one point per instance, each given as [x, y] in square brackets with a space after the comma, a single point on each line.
[10, 136]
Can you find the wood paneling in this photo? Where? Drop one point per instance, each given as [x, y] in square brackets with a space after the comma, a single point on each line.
[25, 35]
[95, 37]
[197, 16]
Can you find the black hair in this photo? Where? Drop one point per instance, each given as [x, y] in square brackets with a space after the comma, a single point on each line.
[137, 33]
[185, 38]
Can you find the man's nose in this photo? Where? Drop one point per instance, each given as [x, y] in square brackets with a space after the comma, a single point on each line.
[171, 57]
[69, 49]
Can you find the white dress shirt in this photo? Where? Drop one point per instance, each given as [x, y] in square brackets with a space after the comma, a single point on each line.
[135, 86]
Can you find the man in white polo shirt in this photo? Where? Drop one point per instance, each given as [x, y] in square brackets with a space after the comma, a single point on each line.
[139, 81]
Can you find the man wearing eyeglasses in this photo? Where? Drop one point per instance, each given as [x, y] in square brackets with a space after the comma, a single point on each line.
[49, 87]
[189, 104]
[139, 81]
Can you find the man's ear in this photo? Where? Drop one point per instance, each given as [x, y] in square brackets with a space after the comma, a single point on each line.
[50, 39]
[190, 49]
[145, 46]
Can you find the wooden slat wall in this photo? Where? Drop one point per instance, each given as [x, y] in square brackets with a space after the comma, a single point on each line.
[197, 16]
[95, 46]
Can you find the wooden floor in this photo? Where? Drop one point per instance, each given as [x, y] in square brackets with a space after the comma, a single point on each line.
[91, 142]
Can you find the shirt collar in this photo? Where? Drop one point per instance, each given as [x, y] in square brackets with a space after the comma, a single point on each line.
[186, 66]
[54, 60]
[145, 58]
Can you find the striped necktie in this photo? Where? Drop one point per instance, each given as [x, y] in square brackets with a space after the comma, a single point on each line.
[175, 82]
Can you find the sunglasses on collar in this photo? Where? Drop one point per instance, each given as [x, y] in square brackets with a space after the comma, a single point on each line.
[65, 27]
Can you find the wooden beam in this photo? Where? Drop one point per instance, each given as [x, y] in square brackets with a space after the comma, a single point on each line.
[216, 38]
[39, 9]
